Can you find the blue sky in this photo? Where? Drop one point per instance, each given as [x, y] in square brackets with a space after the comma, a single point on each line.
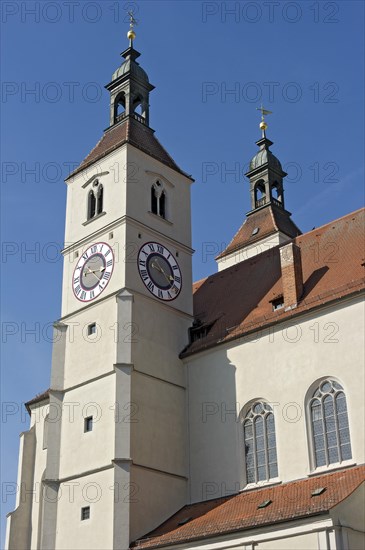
[212, 64]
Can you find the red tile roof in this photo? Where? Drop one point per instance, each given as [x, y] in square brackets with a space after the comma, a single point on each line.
[237, 300]
[137, 134]
[268, 220]
[291, 500]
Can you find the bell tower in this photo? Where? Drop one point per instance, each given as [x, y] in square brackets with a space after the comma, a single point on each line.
[130, 87]
[126, 311]
[268, 223]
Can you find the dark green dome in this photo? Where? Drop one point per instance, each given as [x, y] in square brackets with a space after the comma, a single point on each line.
[265, 156]
[130, 66]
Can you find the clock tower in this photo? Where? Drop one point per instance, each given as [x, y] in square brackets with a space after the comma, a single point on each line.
[116, 439]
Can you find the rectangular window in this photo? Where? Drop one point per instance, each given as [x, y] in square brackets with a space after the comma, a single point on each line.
[278, 303]
[85, 513]
[88, 424]
[91, 329]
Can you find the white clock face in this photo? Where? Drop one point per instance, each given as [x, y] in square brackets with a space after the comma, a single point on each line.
[159, 271]
[93, 272]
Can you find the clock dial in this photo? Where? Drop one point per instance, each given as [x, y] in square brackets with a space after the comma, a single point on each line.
[93, 272]
[159, 271]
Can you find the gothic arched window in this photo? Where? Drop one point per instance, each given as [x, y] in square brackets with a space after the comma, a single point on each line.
[158, 199]
[153, 200]
[260, 443]
[100, 196]
[91, 207]
[163, 205]
[329, 424]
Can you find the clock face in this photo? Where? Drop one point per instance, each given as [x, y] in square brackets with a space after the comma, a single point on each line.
[159, 271]
[93, 272]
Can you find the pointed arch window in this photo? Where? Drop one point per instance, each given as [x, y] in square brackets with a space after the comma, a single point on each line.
[99, 200]
[95, 200]
[158, 199]
[260, 443]
[329, 424]
[91, 209]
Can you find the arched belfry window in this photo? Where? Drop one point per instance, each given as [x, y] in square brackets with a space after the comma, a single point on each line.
[260, 193]
[260, 443]
[158, 199]
[119, 107]
[329, 424]
[95, 200]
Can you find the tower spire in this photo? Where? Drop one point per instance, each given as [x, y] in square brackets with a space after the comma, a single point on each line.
[263, 124]
[131, 35]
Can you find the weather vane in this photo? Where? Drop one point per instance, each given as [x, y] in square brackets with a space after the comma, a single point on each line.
[132, 22]
[263, 124]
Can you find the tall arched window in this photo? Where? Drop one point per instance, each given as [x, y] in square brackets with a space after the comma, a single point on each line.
[260, 443]
[329, 424]
[158, 199]
[91, 208]
[99, 207]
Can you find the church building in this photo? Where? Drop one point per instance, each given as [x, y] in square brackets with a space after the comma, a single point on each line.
[222, 414]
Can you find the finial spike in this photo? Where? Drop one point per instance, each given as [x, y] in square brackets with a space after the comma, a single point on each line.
[263, 124]
[131, 33]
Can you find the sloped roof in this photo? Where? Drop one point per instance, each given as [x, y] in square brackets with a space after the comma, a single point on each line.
[292, 500]
[268, 220]
[237, 300]
[37, 399]
[130, 130]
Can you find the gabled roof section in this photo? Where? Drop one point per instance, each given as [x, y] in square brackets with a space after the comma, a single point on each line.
[289, 501]
[37, 399]
[130, 130]
[238, 300]
[268, 219]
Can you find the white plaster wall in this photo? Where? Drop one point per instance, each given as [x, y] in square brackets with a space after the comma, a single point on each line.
[157, 497]
[159, 431]
[38, 416]
[95, 491]
[279, 366]
[111, 172]
[309, 541]
[86, 356]
[80, 451]
[146, 170]
[251, 250]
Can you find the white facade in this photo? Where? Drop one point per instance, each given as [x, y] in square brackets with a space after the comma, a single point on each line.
[130, 432]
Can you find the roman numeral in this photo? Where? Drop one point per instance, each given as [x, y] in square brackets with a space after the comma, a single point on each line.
[151, 286]
[101, 247]
[142, 263]
[92, 295]
[76, 280]
[83, 295]
[85, 256]
[151, 247]
[106, 275]
[160, 249]
[78, 290]
[160, 293]
[175, 267]
[94, 249]
[144, 274]
[107, 252]
[177, 279]
[109, 263]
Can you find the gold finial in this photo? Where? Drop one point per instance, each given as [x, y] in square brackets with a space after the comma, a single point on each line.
[131, 33]
[263, 125]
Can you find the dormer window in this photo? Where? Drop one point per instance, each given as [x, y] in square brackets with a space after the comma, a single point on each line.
[158, 199]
